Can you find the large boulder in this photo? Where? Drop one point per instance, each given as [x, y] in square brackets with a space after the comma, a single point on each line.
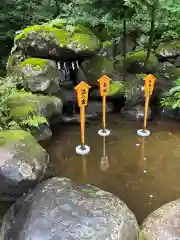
[24, 105]
[170, 113]
[57, 40]
[168, 71]
[61, 209]
[163, 223]
[22, 162]
[135, 62]
[134, 92]
[116, 47]
[40, 75]
[135, 113]
[168, 49]
[95, 68]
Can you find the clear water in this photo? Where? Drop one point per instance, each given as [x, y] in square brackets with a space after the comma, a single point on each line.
[144, 172]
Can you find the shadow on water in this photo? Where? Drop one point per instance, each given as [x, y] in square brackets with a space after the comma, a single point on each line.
[143, 172]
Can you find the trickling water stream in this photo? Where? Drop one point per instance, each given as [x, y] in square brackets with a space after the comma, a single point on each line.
[144, 172]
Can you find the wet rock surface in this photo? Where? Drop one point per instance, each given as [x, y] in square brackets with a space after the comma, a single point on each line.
[135, 63]
[168, 49]
[40, 75]
[22, 162]
[171, 113]
[135, 113]
[163, 223]
[61, 209]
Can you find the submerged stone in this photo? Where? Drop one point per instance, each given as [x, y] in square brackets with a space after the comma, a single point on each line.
[40, 75]
[168, 49]
[22, 162]
[61, 209]
[56, 40]
[163, 223]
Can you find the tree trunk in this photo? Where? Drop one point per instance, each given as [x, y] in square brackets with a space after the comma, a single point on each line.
[57, 9]
[124, 45]
[153, 17]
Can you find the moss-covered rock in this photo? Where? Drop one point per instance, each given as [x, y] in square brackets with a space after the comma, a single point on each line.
[168, 71]
[116, 88]
[23, 104]
[107, 49]
[135, 62]
[57, 40]
[13, 66]
[40, 75]
[95, 68]
[14, 60]
[23, 162]
[168, 49]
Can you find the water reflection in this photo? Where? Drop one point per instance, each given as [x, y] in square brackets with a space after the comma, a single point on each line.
[104, 164]
[143, 159]
[84, 167]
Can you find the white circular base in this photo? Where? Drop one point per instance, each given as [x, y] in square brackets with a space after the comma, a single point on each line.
[81, 151]
[143, 133]
[104, 132]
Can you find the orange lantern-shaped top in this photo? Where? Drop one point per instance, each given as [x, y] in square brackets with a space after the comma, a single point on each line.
[82, 93]
[149, 84]
[104, 82]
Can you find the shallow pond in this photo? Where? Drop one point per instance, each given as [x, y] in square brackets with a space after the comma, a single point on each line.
[143, 172]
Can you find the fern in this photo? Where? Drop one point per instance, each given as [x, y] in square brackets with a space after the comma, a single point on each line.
[34, 121]
[172, 97]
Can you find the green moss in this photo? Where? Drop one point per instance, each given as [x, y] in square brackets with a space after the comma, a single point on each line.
[84, 41]
[35, 62]
[101, 65]
[116, 87]
[57, 23]
[72, 28]
[13, 135]
[9, 137]
[21, 104]
[141, 75]
[59, 35]
[24, 33]
[174, 72]
[107, 44]
[168, 49]
[140, 56]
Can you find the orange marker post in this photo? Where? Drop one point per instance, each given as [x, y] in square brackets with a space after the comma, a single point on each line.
[104, 83]
[82, 90]
[148, 89]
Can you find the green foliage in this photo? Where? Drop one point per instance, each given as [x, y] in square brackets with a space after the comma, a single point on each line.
[6, 119]
[172, 97]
